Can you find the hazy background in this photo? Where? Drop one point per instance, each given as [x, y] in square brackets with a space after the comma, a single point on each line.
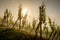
[52, 8]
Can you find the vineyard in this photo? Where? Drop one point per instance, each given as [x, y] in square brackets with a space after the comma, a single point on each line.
[45, 29]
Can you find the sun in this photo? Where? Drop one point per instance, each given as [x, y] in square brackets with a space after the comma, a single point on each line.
[24, 11]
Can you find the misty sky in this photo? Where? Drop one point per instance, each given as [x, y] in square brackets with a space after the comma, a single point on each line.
[52, 8]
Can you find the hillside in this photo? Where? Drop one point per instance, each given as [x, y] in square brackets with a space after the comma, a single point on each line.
[13, 34]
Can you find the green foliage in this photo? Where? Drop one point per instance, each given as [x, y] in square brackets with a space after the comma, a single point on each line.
[23, 22]
[45, 29]
[7, 19]
[53, 29]
[42, 13]
[12, 34]
[34, 23]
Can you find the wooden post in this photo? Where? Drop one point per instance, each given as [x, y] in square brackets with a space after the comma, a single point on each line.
[7, 18]
[19, 16]
[40, 23]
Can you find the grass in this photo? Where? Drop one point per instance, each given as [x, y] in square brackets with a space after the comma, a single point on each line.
[14, 34]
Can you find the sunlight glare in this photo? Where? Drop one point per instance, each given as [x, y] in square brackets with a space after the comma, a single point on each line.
[24, 11]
